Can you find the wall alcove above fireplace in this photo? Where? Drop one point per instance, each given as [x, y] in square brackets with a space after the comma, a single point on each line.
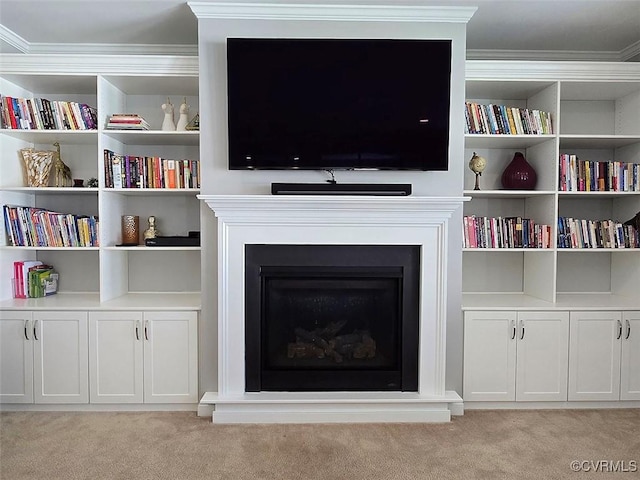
[331, 317]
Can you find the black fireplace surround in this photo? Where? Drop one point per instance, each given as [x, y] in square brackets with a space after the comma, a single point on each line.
[331, 317]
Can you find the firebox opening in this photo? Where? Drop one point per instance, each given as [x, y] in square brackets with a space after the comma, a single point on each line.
[331, 318]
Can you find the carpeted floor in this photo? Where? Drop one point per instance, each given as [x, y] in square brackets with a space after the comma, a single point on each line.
[479, 445]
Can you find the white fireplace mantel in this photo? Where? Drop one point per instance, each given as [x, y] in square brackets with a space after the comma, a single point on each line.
[332, 220]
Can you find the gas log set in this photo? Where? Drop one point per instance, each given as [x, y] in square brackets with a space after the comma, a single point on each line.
[326, 343]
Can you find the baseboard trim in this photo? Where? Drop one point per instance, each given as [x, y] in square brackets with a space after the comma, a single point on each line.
[160, 407]
[549, 405]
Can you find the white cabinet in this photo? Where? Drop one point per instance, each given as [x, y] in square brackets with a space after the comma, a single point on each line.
[630, 360]
[44, 357]
[515, 356]
[604, 356]
[16, 357]
[149, 357]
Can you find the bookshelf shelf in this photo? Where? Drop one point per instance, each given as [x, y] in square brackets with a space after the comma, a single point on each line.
[52, 190]
[597, 141]
[154, 137]
[474, 140]
[153, 191]
[143, 248]
[41, 137]
[506, 193]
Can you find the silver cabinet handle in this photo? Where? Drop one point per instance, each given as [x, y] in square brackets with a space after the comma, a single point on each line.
[628, 329]
[619, 329]
[26, 329]
[522, 327]
[146, 330]
[513, 331]
[35, 329]
[137, 329]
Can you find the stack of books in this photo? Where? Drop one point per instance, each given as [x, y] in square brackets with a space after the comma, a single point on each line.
[505, 232]
[33, 279]
[502, 120]
[127, 121]
[41, 114]
[136, 171]
[37, 227]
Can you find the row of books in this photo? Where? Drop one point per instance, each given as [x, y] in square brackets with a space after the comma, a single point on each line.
[503, 120]
[42, 114]
[127, 121]
[34, 279]
[581, 233]
[505, 232]
[37, 227]
[594, 176]
[131, 171]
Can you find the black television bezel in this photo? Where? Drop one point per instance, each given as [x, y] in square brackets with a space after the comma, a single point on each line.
[288, 163]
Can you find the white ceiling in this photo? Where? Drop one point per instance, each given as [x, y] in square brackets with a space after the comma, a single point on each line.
[526, 29]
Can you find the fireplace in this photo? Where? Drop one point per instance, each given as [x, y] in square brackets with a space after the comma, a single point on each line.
[355, 244]
[331, 317]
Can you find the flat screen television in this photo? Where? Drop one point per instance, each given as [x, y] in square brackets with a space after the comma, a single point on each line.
[338, 103]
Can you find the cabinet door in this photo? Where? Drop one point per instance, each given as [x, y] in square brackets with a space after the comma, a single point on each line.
[489, 356]
[115, 362]
[61, 358]
[630, 363]
[16, 357]
[542, 359]
[170, 357]
[594, 355]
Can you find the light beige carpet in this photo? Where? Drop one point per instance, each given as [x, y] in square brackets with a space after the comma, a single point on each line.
[478, 445]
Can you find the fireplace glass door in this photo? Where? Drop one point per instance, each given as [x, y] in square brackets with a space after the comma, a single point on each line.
[331, 318]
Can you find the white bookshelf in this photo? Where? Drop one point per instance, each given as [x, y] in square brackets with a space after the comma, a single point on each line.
[596, 115]
[99, 277]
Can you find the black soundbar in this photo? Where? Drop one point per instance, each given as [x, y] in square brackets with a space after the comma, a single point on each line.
[387, 189]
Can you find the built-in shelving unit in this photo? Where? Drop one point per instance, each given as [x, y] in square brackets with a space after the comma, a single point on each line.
[95, 277]
[596, 115]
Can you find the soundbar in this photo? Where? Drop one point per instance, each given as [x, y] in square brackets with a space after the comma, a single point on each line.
[387, 189]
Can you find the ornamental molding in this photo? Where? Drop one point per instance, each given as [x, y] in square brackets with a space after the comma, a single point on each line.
[331, 12]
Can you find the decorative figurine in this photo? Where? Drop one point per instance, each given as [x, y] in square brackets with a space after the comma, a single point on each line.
[167, 124]
[183, 121]
[63, 172]
[151, 232]
[92, 182]
[194, 124]
[477, 165]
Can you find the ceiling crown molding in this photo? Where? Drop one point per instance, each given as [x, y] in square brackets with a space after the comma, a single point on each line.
[630, 52]
[112, 49]
[542, 55]
[165, 65]
[552, 71]
[16, 41]
[331, 12]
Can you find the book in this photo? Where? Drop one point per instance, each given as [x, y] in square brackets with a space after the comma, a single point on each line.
[43, 281]
[23, 276]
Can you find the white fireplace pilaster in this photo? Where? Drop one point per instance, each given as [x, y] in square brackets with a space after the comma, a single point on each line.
[333, 220]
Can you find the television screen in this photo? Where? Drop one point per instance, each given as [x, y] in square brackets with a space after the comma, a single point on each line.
[338, 103]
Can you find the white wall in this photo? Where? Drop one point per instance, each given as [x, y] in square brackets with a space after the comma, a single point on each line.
[217, 179]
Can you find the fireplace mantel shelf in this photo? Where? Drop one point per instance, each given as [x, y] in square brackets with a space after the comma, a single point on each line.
[332, 220]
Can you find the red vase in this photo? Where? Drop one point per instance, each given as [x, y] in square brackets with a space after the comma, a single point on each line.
[519, 174]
